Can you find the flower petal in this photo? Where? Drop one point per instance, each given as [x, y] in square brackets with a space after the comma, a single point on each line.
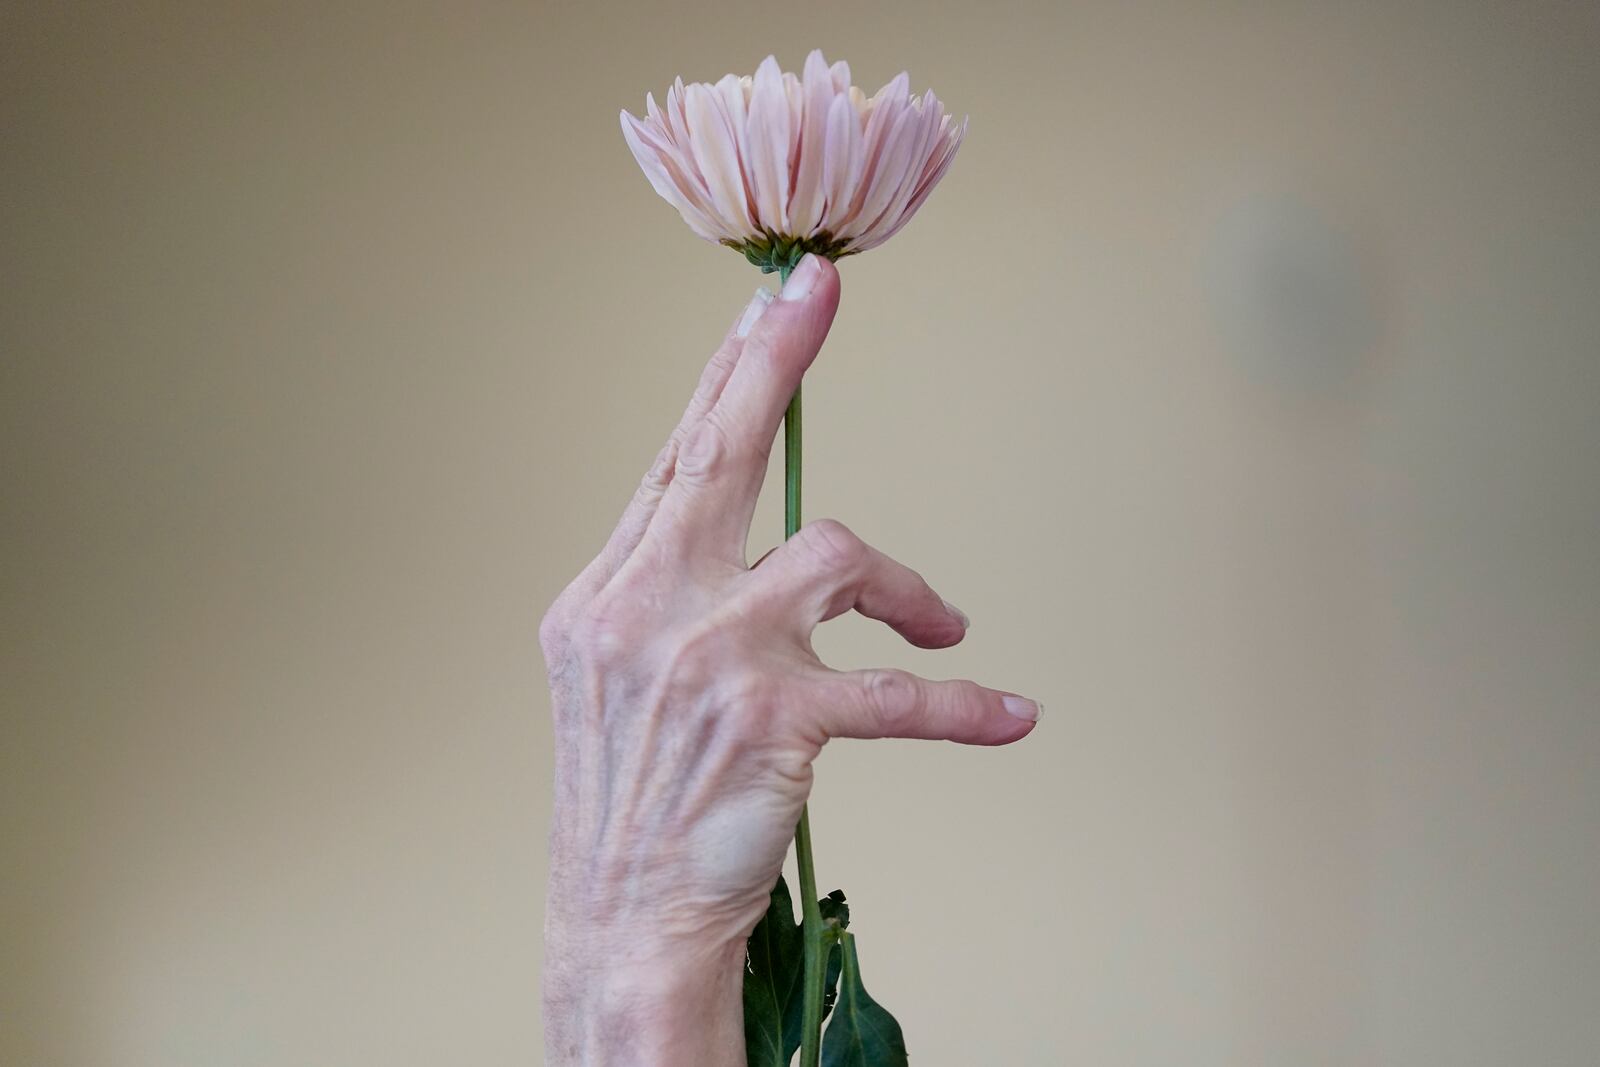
[735, 103]
[796, 96]
[925, 115]
[676, 122]
[680, 168]
[808, 197]
[768, 142]
[654, 162]
[924, 189]
[890, 134]
[715, 152]
[841, 76]
[880, 111]
[841, 161]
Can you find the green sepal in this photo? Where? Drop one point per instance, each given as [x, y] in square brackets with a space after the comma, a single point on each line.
[774, 252]
[862, 1033]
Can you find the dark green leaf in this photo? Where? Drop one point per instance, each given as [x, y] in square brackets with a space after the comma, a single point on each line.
[830, 985]
[834, 907]
[862, 1033]
[835, 917]
[773, 981]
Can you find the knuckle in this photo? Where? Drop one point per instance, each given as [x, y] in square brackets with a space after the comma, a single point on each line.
[710, 663]
[757, 351]
[777, 354]
[659, 475]
[831, 544]
[688, 661]
[704, 665]
[716, 371]
[600, 632]
[704, 452]
[966, 701]
[749, 699]
[893, 698]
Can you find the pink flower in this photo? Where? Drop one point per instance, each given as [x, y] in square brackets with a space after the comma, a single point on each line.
[776, 165]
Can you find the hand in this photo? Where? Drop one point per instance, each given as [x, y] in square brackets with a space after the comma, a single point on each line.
[689, 706]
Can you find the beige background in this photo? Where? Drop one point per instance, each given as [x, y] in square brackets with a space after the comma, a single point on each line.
[1240, 382]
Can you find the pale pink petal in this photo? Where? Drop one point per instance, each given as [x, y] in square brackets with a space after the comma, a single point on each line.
[651, 161]
[679, 164]
[881, 110]
[841, 76]
[680, 167]
[885, 108]
[925, 116]
[680, 132]
[938, 165]
[717, 156]
[897, 91]
[807, 199]
[944, 146]
[735, 104]
[890, 172]
[925, 188]
[768, 143]
[841, 161]
[795, 94]
[676, 113]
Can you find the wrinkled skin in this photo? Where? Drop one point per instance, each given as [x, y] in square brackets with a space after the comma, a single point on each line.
[689, 705]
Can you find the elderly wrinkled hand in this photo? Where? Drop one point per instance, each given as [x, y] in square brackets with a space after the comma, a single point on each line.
[689, 706]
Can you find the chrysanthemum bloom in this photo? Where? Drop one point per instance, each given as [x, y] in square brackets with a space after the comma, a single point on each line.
[775, 166]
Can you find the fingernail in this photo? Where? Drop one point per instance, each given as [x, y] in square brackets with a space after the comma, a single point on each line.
[804, 278]
[1022, 708]
[752, 313]
[966, 623]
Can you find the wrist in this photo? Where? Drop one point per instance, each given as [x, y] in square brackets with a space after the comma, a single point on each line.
[611, 999]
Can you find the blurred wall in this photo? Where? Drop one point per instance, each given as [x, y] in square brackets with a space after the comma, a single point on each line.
[1240, 382]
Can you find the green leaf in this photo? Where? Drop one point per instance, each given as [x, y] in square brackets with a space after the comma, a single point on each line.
[773, 981]
[833, 906]
[835, 917]
[862, 1033]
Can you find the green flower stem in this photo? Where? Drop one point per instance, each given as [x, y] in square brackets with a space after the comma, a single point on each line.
[811, 913]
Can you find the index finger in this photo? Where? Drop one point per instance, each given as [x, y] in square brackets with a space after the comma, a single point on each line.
[635, 520]
[721, 465]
